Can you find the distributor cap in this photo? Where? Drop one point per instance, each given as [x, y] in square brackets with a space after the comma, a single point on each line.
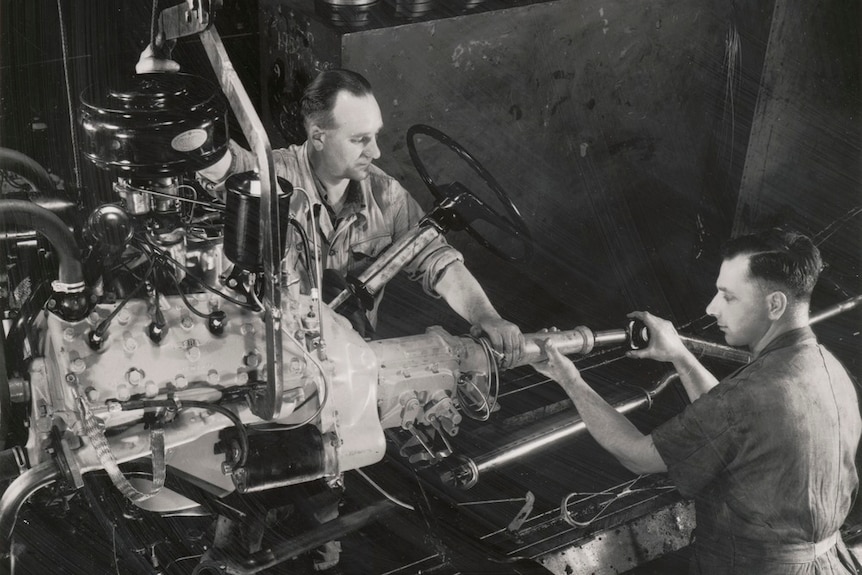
[154, 124]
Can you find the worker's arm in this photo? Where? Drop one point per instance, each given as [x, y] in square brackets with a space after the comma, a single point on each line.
[666, 345]
[611, 429]
[467, 298]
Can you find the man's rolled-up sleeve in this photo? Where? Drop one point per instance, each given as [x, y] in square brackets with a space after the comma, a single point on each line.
[429, 264]
[698, 444]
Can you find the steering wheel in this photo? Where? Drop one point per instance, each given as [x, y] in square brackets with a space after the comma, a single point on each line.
[512, 222]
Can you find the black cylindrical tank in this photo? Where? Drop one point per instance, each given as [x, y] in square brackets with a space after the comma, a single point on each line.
[243, 242]
[154, 125]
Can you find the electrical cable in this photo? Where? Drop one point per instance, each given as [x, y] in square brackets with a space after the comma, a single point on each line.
[252, 292]
[383, 492]
[103, 325]
[64, 43]
[162, 253]
[316, 272]
[489, 400]
[323, 400]
[154, 19]
[210, 205]
[303, 237]
[836, 225]
[186, 301]
[188, 219]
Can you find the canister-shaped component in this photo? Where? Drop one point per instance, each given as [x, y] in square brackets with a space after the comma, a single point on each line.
[243, 242]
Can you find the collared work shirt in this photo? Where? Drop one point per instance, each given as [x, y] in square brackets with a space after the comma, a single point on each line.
[377, 212]
[768, 455]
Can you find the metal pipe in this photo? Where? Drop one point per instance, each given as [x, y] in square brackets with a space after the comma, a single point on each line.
[836, 309]
[582, 340]
[466, 475]
[17, 494]
[702, 347]
[579, 340]
[24, 213]
[612, 337]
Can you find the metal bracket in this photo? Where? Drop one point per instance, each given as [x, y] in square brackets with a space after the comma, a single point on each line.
[191, 17]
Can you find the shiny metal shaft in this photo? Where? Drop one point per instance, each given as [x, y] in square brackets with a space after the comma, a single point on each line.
[17, 494]
[466, 475]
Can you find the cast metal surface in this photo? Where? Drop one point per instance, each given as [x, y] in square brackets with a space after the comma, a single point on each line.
[621, 548]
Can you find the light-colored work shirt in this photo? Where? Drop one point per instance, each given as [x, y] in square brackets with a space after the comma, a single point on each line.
[377, 212]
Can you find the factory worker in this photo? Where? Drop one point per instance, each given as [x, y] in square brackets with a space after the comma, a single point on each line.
[365, 209]
[768, 452]
[362, 211]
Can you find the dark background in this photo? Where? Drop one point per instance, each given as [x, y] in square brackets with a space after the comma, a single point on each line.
[634, 139]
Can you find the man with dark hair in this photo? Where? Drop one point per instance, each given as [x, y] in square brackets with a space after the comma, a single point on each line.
[365, 209]
[767, 453]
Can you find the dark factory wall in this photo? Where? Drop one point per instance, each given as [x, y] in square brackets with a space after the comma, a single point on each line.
[619, 131]
[634, 138]
[803, 165]
[622, 133]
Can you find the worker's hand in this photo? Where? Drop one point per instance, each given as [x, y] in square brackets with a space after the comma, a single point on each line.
[664, 342]
[156, 57]
[556, 366]
[504, 336]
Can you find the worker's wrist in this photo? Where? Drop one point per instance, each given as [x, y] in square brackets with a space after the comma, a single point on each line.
[684, 361]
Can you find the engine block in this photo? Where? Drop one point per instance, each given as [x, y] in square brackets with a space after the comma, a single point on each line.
[336, 391]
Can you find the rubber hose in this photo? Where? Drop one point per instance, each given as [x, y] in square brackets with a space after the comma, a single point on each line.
[21, 213]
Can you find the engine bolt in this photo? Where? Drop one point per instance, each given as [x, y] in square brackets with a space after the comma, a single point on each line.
[252, 359]
[193, 354]
[77, 365]
[151, 389]
[123, 317]
[134, 376]
[123, 392]
[186, 322]
[130, 344]
[181, 382]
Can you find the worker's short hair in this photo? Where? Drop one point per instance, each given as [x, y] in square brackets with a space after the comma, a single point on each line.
[780, 259]
[318, 100]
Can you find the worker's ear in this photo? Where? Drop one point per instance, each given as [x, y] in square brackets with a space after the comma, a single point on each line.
[316, 135]
[776, 304]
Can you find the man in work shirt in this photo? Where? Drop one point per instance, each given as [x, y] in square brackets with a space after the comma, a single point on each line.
[364, 210]
[767, 453]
